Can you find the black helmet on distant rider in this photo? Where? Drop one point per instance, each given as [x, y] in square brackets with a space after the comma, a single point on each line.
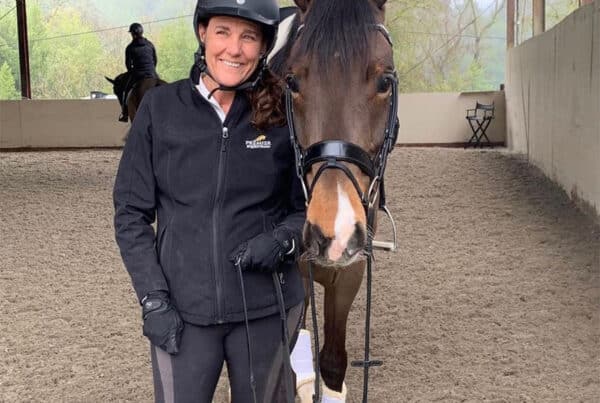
[136, 28]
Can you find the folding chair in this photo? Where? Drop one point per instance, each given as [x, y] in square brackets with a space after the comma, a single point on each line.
[479, 119]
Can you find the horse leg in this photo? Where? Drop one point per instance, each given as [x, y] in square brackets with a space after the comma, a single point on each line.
[339, 295]
[302, 354]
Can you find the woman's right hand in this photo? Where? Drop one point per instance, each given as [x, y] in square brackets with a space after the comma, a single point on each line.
[265, 252]
[162, 323]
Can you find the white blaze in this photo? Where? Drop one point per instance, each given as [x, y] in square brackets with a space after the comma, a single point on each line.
[345, 223]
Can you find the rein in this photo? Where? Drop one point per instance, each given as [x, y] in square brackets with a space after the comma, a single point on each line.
[333, 154]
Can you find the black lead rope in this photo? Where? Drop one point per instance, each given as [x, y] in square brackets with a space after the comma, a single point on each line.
[367, 362]
[317, 394]
[248, 340]
[289, 388]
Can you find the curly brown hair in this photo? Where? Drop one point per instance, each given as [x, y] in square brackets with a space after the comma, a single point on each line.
[267, 102]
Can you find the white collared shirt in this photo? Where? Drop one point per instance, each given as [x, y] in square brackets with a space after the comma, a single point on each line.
[205, 93]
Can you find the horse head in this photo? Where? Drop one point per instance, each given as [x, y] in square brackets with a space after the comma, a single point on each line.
[340, 88]
[118, 84]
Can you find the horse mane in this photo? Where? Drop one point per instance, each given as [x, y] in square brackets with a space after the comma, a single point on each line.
[336, 33]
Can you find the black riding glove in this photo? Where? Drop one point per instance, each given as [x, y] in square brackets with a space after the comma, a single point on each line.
[162, 323]
[265, 252]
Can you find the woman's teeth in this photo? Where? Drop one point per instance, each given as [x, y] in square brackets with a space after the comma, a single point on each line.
[231, 64]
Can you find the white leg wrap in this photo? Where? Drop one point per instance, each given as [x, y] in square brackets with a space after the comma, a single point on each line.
[302, 364]
[331, 396]
[302, 357]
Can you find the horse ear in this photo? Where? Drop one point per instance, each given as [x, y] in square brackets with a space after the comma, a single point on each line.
[302, 4]
[110, 80]
[380, 3]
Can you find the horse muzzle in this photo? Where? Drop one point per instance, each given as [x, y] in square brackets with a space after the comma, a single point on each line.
[331, 251]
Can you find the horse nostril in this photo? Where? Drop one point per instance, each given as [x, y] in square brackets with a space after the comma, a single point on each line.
[357, 241]
[314, 239]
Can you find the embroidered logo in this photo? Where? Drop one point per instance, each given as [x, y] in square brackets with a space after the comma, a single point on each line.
[259, 142]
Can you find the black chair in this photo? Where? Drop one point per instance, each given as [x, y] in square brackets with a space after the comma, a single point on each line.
[479, 119]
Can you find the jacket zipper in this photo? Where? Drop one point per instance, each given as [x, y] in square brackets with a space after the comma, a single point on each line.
[215, 219]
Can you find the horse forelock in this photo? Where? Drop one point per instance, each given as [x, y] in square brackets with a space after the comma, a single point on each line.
[335, 35]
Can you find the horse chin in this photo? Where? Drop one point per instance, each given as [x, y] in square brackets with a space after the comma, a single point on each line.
[341, 263]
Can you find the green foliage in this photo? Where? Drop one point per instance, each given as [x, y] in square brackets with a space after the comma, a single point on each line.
[439, 45]
[8, 88]
[175, 46]
[556, 10]
[69, 65]
[445, 46]
[9, 49]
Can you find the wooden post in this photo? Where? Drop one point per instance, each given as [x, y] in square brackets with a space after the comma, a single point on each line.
[539, 17]
[585, 2]
[23, 49]
[510, 24]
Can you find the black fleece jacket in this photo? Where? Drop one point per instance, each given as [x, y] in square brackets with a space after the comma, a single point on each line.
[210, 185]
[140, 58]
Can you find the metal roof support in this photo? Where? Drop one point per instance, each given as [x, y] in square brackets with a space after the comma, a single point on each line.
[539, 17]
[510, 24]
[23, 49]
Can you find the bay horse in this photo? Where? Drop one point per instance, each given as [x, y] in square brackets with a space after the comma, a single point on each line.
[134, 98]
[341, 102]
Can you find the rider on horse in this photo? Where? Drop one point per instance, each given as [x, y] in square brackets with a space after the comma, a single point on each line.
[140, 60]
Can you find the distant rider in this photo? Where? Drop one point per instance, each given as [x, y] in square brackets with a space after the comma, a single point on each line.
[140, 60]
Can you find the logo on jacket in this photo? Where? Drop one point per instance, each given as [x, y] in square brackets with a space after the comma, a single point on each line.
[259, 142]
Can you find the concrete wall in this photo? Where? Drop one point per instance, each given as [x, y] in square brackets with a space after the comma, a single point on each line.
[439, 118]
[60, 124]
[553, 103]
[428, 118]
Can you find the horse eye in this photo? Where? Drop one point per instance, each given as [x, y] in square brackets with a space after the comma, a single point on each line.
[383, 84]
[292, 83]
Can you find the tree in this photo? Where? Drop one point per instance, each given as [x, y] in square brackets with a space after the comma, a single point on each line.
[9, 45]
[8, 89]
[64, 62]
[439, 44]
[175, 46]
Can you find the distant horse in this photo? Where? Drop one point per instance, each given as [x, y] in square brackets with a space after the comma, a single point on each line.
[341, 101]
[134, 98]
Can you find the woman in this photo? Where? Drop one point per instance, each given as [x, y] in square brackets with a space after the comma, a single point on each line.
[210, 158]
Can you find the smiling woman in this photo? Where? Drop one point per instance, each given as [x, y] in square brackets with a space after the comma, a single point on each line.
[209, 157]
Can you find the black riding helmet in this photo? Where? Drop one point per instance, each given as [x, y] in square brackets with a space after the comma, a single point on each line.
[136, 28]
[263, 12]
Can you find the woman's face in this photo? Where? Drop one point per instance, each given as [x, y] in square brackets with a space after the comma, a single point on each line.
[233, 47]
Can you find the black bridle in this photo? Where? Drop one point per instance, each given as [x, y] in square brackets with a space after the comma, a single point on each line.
[335, 154]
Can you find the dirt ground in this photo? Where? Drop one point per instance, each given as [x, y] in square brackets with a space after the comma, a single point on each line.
[494, 294]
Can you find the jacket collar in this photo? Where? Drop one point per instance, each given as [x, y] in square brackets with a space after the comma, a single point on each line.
[240, 107]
